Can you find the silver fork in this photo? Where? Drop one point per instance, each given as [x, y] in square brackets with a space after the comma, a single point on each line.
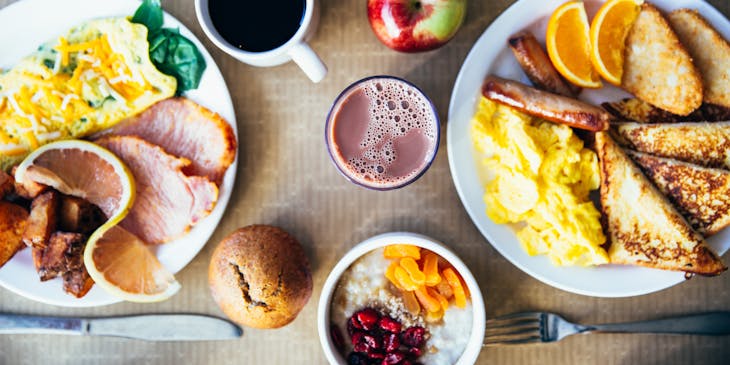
[532, 327]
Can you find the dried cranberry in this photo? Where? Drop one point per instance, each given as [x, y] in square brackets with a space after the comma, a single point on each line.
[368, 318]
[415, 352]
[389, 325]
[360, 347]
[376, 355]
[391, 342]
[394, 358]
[336, 336]
[414, 336]
[356, 338]
[357, 359]
[371, 341]
[354, 323]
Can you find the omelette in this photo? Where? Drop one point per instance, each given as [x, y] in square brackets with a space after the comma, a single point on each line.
[539, 176]
[86, 80]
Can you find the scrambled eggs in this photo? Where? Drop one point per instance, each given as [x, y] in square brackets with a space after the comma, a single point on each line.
[540, 174]
[95, 75]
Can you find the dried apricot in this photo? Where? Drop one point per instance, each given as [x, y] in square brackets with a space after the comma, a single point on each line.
[402, 277]
[400, 251]
[411, 267]
[411, 303]
[443, 301]
[456, 286]
[444, 289]
[428, 302]
[436, 316]
[390, 275]
[431, 269]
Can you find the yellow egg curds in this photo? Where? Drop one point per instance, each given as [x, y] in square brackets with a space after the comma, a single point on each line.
[539, 173]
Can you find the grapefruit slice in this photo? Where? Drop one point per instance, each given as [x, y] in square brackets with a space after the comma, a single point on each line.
[125, 267]
[117, 260]
[84, 170]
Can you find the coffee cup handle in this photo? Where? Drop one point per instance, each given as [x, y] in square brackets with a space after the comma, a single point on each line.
[309, 62]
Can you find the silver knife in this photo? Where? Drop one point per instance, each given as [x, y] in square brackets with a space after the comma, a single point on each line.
[149, 327]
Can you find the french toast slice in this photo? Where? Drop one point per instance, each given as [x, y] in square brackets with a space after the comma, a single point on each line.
[709, 50]
[700, 194]
[632, 109]
[657, 68]
[706, 144]
[642, 225]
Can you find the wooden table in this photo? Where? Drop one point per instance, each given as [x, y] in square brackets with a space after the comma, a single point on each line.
[285, 178]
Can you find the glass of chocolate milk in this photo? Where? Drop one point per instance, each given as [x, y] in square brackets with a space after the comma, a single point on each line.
[382, 133]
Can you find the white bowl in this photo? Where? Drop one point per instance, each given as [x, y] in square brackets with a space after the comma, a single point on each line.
[473, 346]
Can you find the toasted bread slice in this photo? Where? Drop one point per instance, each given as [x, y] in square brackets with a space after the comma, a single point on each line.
[657, 68]
[701, 194]
[643, 226]
[643, 112]
[706, 144]
[710, 53]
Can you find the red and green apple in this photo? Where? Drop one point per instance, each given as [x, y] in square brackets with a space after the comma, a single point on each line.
[415, 25]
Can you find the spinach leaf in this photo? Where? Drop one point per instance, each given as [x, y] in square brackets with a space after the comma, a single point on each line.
[177, 56]
[171, 53]
[149, 14]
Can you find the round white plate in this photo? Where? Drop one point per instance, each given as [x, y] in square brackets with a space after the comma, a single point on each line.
[29, 23]
[490, 55]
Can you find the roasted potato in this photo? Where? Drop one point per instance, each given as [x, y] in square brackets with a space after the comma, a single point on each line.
[43, 219]
[13, 220]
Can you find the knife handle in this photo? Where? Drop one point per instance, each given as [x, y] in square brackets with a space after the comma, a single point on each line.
[22, 324]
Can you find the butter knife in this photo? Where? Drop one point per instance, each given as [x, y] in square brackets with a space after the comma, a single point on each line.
[148, 327]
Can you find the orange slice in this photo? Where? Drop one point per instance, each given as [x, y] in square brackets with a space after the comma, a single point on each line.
[569, 45]
[116, 260]
[608, 34]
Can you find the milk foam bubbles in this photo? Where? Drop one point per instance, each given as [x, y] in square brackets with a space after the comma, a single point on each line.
[382, 132]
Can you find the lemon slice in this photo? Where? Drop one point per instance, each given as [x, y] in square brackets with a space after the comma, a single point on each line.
[608, 34]
[569, 46]
[117, 260]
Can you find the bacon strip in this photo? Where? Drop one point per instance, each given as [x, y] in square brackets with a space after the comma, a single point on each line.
[545, 105]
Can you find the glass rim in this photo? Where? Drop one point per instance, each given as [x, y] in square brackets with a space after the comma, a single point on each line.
[429, 159]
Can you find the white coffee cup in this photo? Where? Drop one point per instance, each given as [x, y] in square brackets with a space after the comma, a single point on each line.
[296, 48]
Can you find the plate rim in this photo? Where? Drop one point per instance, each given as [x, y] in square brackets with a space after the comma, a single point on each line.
[477, 216]
[209, 223]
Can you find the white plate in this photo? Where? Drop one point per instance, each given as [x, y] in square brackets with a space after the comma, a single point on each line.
[29, 23]
[490, 55]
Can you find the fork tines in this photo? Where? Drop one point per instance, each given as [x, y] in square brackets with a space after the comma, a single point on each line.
[515, 329]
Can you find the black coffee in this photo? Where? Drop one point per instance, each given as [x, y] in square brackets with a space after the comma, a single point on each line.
[256, 25]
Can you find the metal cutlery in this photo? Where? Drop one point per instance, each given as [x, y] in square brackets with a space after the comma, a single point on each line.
[149, 327]
[534, 327]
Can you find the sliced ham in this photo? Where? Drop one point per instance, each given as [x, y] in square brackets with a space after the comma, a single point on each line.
[185, 129]
[168, 201]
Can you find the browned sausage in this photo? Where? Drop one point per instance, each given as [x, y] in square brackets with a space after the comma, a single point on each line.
[542, 104]
[536, 64]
